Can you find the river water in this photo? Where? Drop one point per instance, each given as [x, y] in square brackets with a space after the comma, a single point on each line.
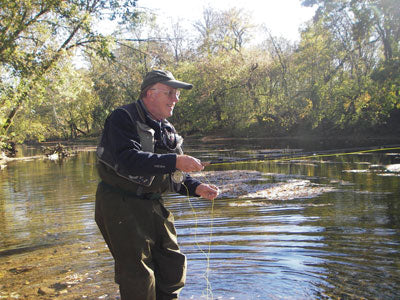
[335, 234]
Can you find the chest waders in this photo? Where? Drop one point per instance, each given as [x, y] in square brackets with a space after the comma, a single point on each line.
[137, 228]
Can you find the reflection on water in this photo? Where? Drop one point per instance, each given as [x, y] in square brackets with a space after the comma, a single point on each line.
[344, 242]
[44, 202]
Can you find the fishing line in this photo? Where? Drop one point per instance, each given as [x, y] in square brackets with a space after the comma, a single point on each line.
[208, 253]
[209, 289]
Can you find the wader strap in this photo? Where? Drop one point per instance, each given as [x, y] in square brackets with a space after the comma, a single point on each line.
[140, 112]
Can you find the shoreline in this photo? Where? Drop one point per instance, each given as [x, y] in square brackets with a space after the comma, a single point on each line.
[303, 142]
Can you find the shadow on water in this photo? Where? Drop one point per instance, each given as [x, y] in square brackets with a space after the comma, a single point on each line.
[291, 242]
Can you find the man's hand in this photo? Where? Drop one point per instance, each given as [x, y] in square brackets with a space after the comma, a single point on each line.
[187, 163]
[207, 191]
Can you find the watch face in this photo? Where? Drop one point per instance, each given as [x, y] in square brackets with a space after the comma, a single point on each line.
[177, 176]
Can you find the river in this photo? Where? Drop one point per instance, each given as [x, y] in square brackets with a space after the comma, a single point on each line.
[323, 227]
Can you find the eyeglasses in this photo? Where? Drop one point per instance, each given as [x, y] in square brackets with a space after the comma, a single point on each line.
[170, 93]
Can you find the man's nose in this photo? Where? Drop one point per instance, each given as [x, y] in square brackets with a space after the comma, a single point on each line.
[175, 98]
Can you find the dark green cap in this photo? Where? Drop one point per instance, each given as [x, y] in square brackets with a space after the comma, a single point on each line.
[164, 77]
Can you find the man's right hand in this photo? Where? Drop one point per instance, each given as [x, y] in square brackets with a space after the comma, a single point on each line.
[187, 163]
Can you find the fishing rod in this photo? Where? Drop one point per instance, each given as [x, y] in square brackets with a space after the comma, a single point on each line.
[302, 155]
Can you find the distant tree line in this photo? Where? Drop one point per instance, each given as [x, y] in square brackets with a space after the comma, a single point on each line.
[342, 77]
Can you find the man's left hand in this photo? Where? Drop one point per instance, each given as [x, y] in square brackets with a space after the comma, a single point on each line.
[207, 191]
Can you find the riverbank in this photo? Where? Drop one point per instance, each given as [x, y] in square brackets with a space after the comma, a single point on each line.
[310, 142]
[304, 142]
[74, 147]
[4, 160]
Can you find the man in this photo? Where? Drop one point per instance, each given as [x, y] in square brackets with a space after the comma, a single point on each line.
[140, 157]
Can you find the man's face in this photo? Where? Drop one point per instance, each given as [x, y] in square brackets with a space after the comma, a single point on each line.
[161, 100]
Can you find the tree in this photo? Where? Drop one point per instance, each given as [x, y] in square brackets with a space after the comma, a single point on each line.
[223, 30]
[360, 85]
[61, 106]
[372, 21]
[35, 35]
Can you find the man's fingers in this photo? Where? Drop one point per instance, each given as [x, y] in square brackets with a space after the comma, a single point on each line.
[188, 163]
[207, 191]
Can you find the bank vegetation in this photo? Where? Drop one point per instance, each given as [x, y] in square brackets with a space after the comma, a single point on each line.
[341, 77]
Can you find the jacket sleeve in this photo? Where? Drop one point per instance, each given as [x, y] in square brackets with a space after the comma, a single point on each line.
[124, 143]
[189, 186]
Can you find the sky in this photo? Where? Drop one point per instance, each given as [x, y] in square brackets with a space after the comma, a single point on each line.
[281, 17]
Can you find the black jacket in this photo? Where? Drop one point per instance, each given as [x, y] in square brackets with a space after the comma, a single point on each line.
[121, 146]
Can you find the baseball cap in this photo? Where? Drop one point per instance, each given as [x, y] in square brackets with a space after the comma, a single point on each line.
[164, 77]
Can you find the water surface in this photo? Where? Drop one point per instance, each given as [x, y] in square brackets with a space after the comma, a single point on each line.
[344, 243]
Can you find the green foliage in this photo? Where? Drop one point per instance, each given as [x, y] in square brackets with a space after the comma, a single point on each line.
[343, 76]
[62, 110]
[35, 36]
